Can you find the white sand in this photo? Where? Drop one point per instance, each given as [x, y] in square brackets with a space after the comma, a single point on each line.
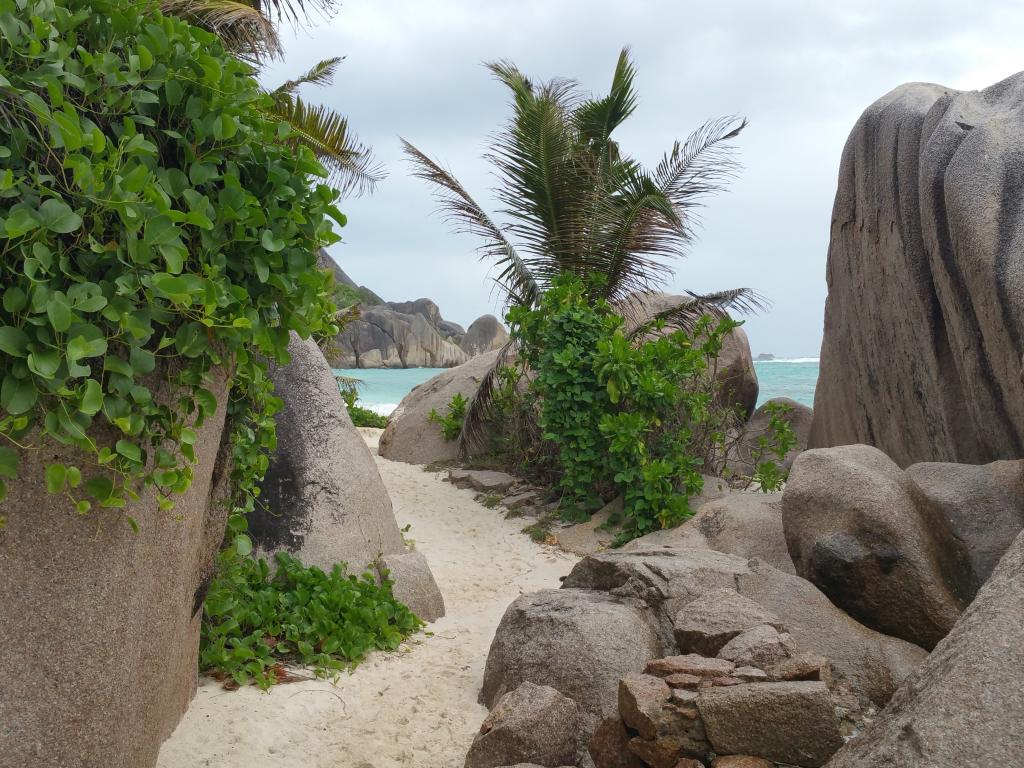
[417, 707]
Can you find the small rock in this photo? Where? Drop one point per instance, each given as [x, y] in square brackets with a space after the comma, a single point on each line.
[803, 666]
[792, 722]
[519, 500]
[682, 680]
[689, 664]
[760, 647]
[740, 761]
[707, 623]
[609, 746]
[656, 754]
[483, 480]
[750, 674]
[725, 681]
[687, 762]
[641, 699]
[683, 697]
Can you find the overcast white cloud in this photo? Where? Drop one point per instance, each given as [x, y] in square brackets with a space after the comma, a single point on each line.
[801, 71]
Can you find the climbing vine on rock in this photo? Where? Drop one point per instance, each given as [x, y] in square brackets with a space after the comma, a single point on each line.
[153, 227]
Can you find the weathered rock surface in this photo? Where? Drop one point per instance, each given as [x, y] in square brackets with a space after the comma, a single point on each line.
[533, 722]
[761, 647]
[409, 436]
[99, 625]
[609, 746]
[854, 529]
[924, 323]
[483, 480]
[322, 498]
[705, 624]
[485, 334]
[792, 722]
[580, 642]
[382, 337]
[799, 418]
[974, 513]
[872, 664]
[743, 523]
[964, 705]
[414, 584]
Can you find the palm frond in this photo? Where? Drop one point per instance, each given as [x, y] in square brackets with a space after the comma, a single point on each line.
[320, 74]
[295, 12]
[474, 424]
[700, 166]
[459, 208]
[690, 309]
[350, 164]
[596, 119]
[242, 27]
[534, 161]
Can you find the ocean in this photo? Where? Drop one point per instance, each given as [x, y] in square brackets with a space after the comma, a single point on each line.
[381, 389]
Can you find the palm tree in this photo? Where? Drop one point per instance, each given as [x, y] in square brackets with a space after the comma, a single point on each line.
[248, 28]
[573, 202]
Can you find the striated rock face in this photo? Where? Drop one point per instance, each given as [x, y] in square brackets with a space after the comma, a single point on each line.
[965, 704]
[409, 436]
[322, 498]
[99, 625]
[924, 323]
[385, 338]
[901, 551]
[485, 334]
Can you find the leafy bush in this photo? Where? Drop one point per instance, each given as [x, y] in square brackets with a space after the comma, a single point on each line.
[361, 417]
[451, 422]
[154, 227]
[631, 414]
[255, 622]
[777, 440]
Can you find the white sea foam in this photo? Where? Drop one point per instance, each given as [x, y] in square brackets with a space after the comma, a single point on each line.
[791, 360]
[383, 409]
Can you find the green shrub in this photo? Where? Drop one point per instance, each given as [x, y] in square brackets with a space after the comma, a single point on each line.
[255, 622]
[153, 227]
[451, 422]
[630, 414]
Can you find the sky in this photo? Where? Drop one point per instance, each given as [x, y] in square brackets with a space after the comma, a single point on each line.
[800, 71]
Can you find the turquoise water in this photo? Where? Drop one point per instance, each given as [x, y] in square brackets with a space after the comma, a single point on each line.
[382, 389]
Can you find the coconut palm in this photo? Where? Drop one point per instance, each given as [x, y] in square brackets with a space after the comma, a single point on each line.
[248, 28]
[572, 201]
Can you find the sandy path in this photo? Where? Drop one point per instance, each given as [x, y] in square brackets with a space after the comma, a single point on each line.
[417, 707]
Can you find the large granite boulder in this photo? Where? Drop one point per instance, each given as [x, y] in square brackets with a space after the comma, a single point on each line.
[666, 580]
[743, 523]
[901, 551]
[924, 323]
[799, 416]
[322, 498]
[533, 722]
[410, 436]
[579, 642]
[364, 294]
[854, 529]
[975, 513]
[965, 704]
[99, 625]
[485, 334]
[382, 337]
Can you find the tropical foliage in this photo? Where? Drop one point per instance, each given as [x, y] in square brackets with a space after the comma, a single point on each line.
[154, 228]
[638, 417]
[249, 29]
[574, 203]
[257, 621]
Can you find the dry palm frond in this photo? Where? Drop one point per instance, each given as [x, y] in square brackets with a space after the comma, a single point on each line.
[243, 28]
[320, 74]
[474, 425]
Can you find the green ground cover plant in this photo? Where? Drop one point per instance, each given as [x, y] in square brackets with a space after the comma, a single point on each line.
[258, 620]
[451, 422]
